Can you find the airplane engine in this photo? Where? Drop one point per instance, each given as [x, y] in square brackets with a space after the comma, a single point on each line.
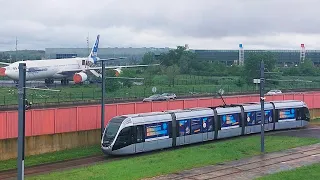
[79, 77]
[117, 71]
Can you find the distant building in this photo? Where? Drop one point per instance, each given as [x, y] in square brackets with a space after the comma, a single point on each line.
[134, 55]
[283, 57]
[228, 57]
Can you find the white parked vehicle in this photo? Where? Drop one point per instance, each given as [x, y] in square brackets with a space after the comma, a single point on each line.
[169, 95]
[275, 91]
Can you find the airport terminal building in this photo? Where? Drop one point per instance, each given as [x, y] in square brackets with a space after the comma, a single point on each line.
[134, 55]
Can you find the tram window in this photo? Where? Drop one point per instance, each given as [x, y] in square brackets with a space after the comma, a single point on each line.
[83, 62]
[229, 120]
[156, 130]
[299, 114]
[267, 117]
[124, 139]
[207, 124]
[139, 134]
[306, 114]
[170, 129]
[184, 127]
[250, 118]
[287, 114]
[196, 125]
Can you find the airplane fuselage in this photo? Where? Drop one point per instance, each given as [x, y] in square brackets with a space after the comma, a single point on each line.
[42, 69]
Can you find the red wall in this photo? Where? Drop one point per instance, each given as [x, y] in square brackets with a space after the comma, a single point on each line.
[80, 118]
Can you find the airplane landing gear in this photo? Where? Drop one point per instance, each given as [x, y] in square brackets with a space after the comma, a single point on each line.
[49, 81]
[64, 81]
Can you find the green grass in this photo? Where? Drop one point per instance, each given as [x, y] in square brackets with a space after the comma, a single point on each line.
[304, 172]
[185, 85]
[8, 96]
[52, 157]
[180, 159]
[315, 121]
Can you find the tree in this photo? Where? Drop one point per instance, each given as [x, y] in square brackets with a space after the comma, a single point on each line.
[150, 72]
[307, 68]
[252, 65]
[179, 56]
[129, 73]
[111, 84]
[172, 72]
[148, 58]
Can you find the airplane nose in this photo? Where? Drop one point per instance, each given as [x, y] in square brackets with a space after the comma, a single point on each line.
[2, 71]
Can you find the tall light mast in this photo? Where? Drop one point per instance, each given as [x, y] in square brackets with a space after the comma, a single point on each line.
[241, 55]
[302, 53]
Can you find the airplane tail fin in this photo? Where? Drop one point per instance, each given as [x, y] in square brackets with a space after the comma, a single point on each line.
[93, 56]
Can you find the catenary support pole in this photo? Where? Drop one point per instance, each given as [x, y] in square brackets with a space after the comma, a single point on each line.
[262, 103]
[21, 118]
[103, 96]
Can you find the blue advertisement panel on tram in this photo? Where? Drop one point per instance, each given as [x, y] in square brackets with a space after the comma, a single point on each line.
[229, 121]
[287, 114]
[157, 131]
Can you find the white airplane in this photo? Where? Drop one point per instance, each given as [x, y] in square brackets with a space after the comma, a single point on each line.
[63, 69]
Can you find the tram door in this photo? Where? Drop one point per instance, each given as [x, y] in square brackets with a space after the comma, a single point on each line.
[184, 132]
[205, 125]
[140, 139]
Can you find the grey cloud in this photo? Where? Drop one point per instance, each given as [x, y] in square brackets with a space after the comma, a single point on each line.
[59, 23]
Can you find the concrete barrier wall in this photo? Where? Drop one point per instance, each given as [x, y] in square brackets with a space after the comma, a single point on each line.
[49, 143]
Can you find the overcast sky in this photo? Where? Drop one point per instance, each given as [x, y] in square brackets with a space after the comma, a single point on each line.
[203, 24]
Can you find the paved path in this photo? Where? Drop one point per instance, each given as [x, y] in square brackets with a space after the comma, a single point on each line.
[313, 132]
[257, 166]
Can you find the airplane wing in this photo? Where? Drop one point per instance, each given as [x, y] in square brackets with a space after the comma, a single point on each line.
[113, 67]
[5, 63]
[72, 71]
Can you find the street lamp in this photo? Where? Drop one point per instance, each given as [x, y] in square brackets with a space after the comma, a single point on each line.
[262, 98]
[21, 118]
[104, 89]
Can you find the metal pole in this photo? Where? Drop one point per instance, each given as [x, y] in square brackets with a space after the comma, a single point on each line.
[103, 97]
[262, 104]
[16, 49]
[21, 122]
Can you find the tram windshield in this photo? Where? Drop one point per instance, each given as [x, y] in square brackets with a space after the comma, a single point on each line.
[307, 114]
[112, 129]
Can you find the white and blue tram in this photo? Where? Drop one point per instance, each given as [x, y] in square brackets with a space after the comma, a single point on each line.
[136, 133]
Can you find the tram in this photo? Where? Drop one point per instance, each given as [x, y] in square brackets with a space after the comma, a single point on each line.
[137, 133]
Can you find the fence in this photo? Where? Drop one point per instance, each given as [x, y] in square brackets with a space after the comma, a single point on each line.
[78, 93]
[82, 118]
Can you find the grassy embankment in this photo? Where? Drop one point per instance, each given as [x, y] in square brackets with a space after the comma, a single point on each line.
[171, 161]
[53, 157]
[315, 122]
[304, 172]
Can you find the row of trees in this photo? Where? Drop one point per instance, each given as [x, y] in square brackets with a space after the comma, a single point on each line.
[181, 61]
[21, 55]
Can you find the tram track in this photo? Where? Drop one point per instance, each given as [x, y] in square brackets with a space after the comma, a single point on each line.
[50, 167]
[239, 167]
[81, 162]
